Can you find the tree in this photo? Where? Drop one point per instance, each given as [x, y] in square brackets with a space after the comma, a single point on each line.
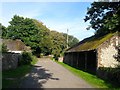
[58, 43]
[36, 35]
[4, 30]
[71, 40]
[104, 17]
[26, 30]
[46, 42]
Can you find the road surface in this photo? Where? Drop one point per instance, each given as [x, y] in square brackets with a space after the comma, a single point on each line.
[48, 74]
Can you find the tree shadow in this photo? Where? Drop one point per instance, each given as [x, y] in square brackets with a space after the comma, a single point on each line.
[37, 77]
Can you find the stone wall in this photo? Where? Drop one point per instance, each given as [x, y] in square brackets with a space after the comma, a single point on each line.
[10, 60]
[107, 51]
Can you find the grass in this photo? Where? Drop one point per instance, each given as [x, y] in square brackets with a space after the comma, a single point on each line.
[91, 79]
[12, 78]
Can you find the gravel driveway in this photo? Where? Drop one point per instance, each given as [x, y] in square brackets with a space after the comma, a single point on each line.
[48, 74]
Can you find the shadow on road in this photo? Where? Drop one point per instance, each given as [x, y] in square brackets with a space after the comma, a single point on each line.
[37, 77]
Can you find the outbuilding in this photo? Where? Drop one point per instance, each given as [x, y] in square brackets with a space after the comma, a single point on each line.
[15, 46]
[93, 53]
[11, 58]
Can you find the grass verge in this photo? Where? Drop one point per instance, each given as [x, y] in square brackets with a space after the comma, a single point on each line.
[91, 79]
[12, 78]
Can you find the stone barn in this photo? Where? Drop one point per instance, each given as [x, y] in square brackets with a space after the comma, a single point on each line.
[16, 46]
[93, 52]
[11, 58]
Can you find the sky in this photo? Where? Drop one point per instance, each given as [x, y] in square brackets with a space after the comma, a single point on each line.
[58, 16]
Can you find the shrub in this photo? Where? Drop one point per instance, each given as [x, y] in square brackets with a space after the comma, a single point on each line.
[3, 48]
[41, 55]
[34, 60]
[110, 74]
[26, 58]
[56, 56]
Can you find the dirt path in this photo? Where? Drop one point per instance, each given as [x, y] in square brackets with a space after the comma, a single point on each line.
[49, 74]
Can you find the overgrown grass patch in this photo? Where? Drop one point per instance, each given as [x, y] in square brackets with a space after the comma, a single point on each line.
[91, 79]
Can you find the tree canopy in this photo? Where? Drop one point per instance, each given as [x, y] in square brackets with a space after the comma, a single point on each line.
[71, 40]
[36, 35]
[4, 30]
[58, 43]
[26, 30]
[104, 17]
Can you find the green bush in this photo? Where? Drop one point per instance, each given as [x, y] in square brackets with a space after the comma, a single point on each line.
[25, 59]
[3, 48]
[41, 55]
[110, 74]
[56, 56]
[34, 60]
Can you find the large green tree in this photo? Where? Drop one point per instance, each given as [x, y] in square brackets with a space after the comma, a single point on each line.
[71, 40]
[26, 30]
[58, 43]
[46, 43]
[104, 17]
[36, 35]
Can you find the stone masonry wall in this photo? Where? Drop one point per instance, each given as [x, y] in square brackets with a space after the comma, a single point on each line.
[106, 53]
[10, 60]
